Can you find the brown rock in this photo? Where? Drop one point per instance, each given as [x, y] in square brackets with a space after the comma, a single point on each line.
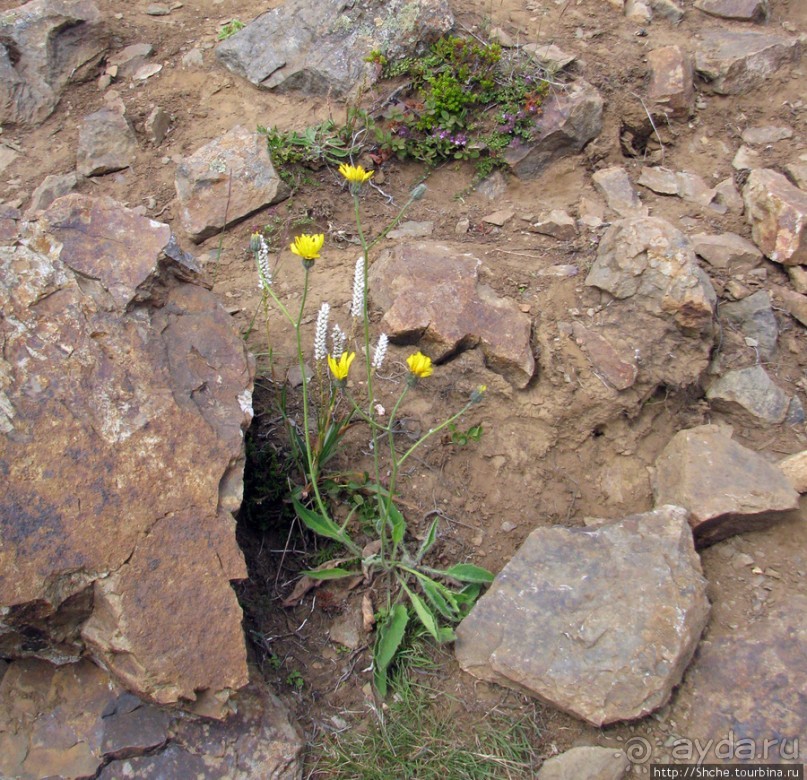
[569, 120]
[226, 181]
[141, 383]
[557, 224]
[737, 61]
[764, 719]
[51, 721]
[599, 622]
[106, 143]
[777, 212]
[9, 218]
[797, 173]
[660, 180]
[606, 360]
[615, 186]
[156, 126]
[794, 467]
[52, 187]
[744, 10]
[726, 250]
[727, 488]
[794, 303]
[126, 62]
[671, 85]
[431, 294]
[798, 278]
[591, 763]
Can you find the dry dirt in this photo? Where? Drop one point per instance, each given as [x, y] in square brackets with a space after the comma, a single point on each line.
[527, 470]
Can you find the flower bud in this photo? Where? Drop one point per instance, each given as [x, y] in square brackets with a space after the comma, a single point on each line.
[418, 192]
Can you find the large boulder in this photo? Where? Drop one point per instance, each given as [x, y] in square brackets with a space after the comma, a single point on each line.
[600, 621]
[320, 47]
[431, 294]
[44, 45]
[125, 391]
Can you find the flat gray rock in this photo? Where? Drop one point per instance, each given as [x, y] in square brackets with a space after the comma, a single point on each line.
[734, 62]
[319, 47]
[598, 621]
[615, 186]
[726, 250]
[225, 181]
[754, 318]
[727, 488]
[743, 10]
[54, 42]
[752, 395]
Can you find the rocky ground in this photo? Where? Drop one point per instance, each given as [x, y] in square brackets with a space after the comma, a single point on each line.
[632, 293]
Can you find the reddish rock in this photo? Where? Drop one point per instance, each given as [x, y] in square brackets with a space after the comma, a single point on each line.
[736, 61]
[569, 120]
[226, 181]
[141, 384]
[600, 622]
[671, 86]
[777, 212]
[727, 488]
[744, 10]
[607, 361]
[431, 294]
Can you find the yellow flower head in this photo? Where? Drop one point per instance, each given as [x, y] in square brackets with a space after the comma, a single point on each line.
[420, 365]
[307, 246]
[339, 368]
[355, 175]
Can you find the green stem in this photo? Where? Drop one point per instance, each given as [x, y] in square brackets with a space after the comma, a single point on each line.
[393, 456]
[432, 431]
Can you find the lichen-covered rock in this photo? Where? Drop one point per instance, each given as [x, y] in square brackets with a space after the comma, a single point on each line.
[727, 488]
[225, 181]
[320, 47]
[45, 44]
[431, 294]
[599, 621]
[649, 268]
[124, 394]
[777, 212]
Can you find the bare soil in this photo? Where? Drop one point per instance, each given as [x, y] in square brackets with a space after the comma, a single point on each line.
[527, 470]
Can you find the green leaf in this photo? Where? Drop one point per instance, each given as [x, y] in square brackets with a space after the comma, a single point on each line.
[428, 540]
[467, 572]
[423, 612]
[440, 596]
[398, 524]
[330, 574]
[319, 524]
[446, 634]
[389, 636]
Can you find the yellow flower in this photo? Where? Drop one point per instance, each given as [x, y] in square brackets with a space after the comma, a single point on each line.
[420, 365]
[307, 246]
[355, 174]
[339, 368]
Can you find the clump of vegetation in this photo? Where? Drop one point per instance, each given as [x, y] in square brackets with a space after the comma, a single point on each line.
[417, 737]
[373, 539]
[229, 29]
[463, 100]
